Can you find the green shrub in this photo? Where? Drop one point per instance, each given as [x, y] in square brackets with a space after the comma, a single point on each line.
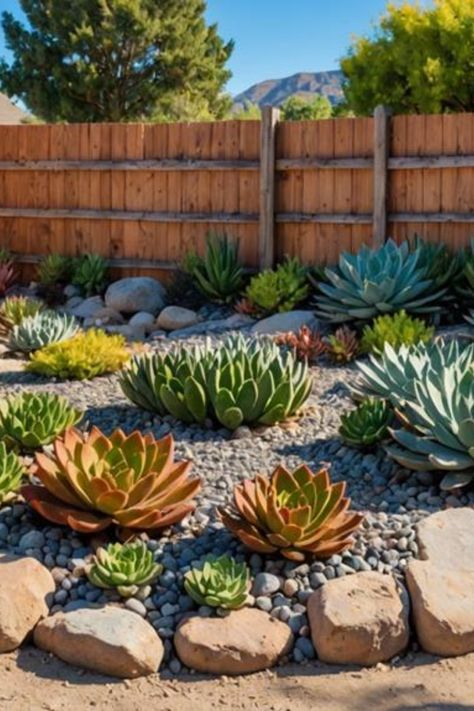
[84, 356]
[220, 582]
[218, 275]
[278, 290]
[398, 329]
[367, 424]
[90, 274]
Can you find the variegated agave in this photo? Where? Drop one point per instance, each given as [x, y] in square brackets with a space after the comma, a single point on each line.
[377, 281]
[242, 381]
[47, 327]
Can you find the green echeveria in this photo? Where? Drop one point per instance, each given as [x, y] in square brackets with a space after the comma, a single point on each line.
[221, 582]
[377, 281]
[31, 420]
[11, 472]
[367, 424]
[125, 567]
[47, 327]
[242, 381]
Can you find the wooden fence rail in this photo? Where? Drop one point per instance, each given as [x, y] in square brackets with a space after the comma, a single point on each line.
[142, 195]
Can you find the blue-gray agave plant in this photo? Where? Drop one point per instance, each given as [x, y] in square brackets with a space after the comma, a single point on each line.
[46, 327]
[377, 281]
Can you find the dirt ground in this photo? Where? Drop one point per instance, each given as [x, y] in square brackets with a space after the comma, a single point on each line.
[32, 681]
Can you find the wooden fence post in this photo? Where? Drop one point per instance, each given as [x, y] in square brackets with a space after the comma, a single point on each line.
[266, 246]
[381, 156]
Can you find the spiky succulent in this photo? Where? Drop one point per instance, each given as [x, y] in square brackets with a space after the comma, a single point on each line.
[242, 381]
[90, 274]
[43, 329]
[54, 269]
[367, 424]
[294, 513]
[16, 309]
[398, 329]
[307, 345]
[90, 482]
[342, 346]
[219, 274]
[377, 281]
[11, 472]
[125, 567]
[219, 582]
[32, 420]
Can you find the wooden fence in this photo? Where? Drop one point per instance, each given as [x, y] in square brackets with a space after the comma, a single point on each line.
[143, 194]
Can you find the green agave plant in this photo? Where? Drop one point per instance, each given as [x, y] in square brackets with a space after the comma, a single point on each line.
[90, 274]
[398, 329]
[54, 269]
[242, 381]
[11, 472]
[35, 332]
[126, 567]
[377, 281]
[219, 274]
[29, 421]
[367, 424]
[221, 582]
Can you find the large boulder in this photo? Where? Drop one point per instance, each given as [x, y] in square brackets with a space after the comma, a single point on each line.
[26, 593]
[359, 619]
[282, 323]
[134, 294]
[88, 308]
[447, 538]
[245, 641]
[108, 640]
[176, 317]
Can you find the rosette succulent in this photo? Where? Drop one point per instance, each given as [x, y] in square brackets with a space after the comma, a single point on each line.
[16, 309]
[342, 346]
[242, 381]
[219, 582]
[11, 472]
[277, 290]
[125, 567]
[377, 281]
[29, 421]
[307, 345]
[90, 482]
[295, 513]
[43, 329]
[90, 274]
[398, 329]
[367, 424]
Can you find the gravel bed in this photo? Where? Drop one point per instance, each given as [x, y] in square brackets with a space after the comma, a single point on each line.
[393, 499]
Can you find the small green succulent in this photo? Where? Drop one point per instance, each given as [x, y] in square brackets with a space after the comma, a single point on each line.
[15, 309]
[43, 329]
[54, 269]
[126, 567]
[220, 582]
[11, 472]
[218, 275]
[90, 274]
[367, 424]
[278, 290]
[29, 421]
[398, 329]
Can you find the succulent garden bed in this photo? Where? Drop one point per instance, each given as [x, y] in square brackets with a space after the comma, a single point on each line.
[237, 404]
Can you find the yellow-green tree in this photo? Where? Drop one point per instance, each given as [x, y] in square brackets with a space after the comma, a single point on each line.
[298, 108]
[420, 60]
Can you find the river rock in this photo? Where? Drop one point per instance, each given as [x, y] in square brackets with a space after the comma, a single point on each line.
[175, 317]
[447, 538]
[282, 323]
[88, 308]
[109, 640]
[134, 294]
[244, 641]
[104, 317]
[359, 619]
[26, 593]
[143, 321]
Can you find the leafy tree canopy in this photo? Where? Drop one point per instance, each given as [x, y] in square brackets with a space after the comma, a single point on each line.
[419, 60]
[297, 108]
[116, 60]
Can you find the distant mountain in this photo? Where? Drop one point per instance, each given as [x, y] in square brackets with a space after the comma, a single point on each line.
[274, 92]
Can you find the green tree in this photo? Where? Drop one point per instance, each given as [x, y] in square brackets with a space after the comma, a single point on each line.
[297, 108]
[115, 60]
[248, 112]
[418, 61]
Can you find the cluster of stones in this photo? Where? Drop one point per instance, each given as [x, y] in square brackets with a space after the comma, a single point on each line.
[363, 618]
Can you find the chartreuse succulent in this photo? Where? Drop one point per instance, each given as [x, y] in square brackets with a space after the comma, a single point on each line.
[367, 424]
[16, 309]
[43, 329]
[86, 355]
[377, 281]
[277, 290]
[54, 269]
[29, 421]
[90, 274]
[242, 381]
[125, 567]
[398, 329]
[219, 582]
[11, 472]
[90, 482]
[219, 274]
[295, 513]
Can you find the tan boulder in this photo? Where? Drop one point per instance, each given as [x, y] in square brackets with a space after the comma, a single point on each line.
[107, 640]
[443, 609]
[244, 641]
[442, 533]
[359, 619]
[175, 317]
[26, 592]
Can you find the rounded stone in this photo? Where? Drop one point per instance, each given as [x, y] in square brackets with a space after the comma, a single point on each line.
[265, 584]
[134, 294]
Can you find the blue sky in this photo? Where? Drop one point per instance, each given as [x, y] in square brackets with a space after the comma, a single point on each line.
[276, 38]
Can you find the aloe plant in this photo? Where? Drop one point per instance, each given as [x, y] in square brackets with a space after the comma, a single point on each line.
[367, 424]
[219, 274]
[126, 568]
[11, 472]
[16, 309]
[242, 381]
[220, 582]
[42, 329]
[90, 274]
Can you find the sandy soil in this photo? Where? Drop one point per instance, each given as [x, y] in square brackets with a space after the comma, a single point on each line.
[32, 680]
